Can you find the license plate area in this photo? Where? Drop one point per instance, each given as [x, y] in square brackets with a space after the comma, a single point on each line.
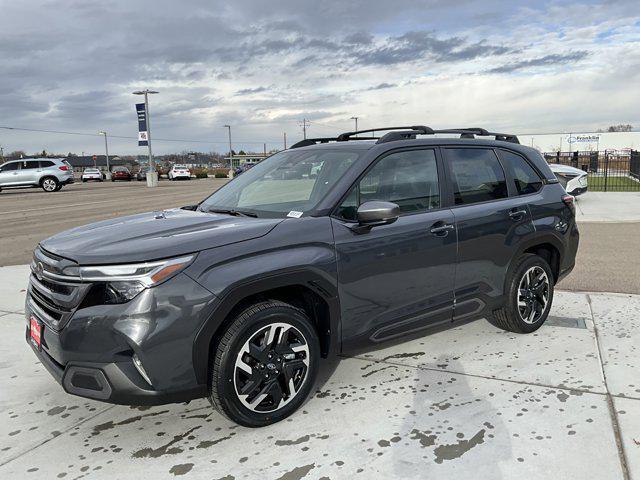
[35, 332]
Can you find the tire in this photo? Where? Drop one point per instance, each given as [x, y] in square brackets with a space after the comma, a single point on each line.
[84, 181]
[526, 312]
[49, 184]
[230, 367]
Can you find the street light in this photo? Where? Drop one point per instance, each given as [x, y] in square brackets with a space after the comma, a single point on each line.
[356, 120]
[152, 178]
[230, 148]
[106, 151]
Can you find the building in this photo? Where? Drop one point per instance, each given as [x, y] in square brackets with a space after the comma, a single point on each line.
[242, 158]
[79, 163]
[615, 142]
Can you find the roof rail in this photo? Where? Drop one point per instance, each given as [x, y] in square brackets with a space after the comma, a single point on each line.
[405, 133]
[418, 129]
[481, 132]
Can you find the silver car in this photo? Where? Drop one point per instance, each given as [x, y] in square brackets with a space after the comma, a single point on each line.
[51, 174]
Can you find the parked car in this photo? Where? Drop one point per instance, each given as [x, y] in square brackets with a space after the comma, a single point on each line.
[178, 172]
[120, 173]
[239, 297]
[92, 174]
[574, 180]
[142, 173]
[50, 174]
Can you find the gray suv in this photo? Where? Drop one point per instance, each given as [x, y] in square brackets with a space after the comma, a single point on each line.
[51, 174]
[331, 246]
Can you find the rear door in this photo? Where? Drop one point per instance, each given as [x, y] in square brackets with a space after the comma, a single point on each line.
[30, 172]
[490, 225]
[396, 278]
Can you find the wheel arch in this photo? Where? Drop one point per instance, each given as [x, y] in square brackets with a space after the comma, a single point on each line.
[304, 289]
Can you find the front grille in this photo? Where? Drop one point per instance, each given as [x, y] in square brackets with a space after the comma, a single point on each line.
[53, 296]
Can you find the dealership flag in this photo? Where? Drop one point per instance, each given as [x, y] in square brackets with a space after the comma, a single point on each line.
[142, 125]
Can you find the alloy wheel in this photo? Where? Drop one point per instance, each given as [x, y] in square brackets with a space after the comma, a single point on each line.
[271, 367]
[533, 294]
[49, 185]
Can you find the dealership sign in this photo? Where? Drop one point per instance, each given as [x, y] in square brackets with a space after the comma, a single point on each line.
[583, 138]
[143, 135]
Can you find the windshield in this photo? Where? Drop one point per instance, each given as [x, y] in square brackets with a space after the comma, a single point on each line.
[287, 182]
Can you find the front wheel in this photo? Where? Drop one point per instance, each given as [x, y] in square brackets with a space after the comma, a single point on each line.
[265, 364]
[529, 291]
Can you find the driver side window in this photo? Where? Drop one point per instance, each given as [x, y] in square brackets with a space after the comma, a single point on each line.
[408, 179]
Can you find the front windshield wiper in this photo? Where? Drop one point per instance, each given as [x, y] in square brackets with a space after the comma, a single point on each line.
[235, 213]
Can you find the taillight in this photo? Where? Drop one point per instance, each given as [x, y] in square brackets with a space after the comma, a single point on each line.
[569, 201]
[63, 167]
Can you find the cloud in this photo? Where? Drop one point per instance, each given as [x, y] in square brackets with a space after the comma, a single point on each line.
[545, 61]
[263, 66]
[382, 86]
[249, 91]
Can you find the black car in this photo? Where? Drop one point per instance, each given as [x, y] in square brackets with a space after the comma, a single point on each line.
[239, 297]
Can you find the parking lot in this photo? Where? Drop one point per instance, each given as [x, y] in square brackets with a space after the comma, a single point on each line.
[29, 215]
[470, 402]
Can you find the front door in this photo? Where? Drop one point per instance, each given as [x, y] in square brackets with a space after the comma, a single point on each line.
[9, 174]
[396, 278]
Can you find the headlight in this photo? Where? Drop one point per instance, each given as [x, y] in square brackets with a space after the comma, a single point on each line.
[122, 283]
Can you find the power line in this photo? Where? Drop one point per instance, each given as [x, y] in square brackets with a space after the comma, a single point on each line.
[62, 132]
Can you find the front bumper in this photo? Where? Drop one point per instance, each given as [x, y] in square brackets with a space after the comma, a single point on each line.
[578, 191]
[91, 355]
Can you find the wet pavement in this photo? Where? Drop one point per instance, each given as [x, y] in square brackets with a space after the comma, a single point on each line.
[468, 402]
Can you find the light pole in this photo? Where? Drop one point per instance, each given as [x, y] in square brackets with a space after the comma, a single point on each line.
[152, 176]
[106, 151]
[230, 149]
[356, 120]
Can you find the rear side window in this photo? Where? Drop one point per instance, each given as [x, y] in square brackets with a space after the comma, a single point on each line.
[29, 164]
[477, 175]
[46, 163]
[408, 179]
[524, 176]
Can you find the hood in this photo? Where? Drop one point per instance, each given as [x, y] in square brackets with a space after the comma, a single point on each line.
[154, 235]
[558, 168]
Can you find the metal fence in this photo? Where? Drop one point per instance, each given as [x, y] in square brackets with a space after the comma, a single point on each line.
[608, 171]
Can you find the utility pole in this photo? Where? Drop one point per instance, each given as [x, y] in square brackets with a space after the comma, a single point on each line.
[230, 148]
[285, 140]
[106, 151]
[152, 176]
[305, 123]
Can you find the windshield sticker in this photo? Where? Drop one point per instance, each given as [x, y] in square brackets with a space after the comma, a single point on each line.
[294, 214]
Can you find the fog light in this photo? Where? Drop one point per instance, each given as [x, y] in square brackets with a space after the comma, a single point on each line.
[138, 364]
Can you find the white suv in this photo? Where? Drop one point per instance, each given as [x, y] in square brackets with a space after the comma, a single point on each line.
[51, 174]
[179, 171]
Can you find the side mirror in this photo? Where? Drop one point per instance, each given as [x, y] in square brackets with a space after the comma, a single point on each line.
[193, 208]
[373, 214]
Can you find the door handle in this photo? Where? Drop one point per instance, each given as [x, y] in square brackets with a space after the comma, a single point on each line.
[441, 229]
[517, 214]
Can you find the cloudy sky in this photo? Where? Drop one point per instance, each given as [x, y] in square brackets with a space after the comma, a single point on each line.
[528, 66]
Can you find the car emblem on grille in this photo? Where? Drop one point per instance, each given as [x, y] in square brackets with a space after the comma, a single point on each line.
[39, 270]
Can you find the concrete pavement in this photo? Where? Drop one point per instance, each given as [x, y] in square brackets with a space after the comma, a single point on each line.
[468, 402]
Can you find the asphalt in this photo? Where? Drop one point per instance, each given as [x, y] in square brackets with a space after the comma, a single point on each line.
[608, 257]
[468, 402]
[30, 215]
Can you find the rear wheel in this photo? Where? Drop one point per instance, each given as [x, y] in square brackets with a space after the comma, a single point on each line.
[265, 364]
[529, 296]
[49, 184]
